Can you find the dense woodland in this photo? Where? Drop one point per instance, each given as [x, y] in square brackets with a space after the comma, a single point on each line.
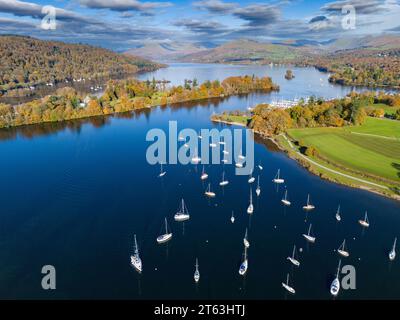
[125, 95]
[361, 67]
[351, 110]
[27, 62]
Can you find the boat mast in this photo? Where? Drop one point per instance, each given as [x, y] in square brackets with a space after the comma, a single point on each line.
[166, 226]
[136, 246]
[294, 251]
[309, 230]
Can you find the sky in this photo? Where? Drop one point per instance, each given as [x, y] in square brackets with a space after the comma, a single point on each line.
[123, 24]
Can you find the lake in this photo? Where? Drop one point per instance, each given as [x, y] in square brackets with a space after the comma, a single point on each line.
[74, 194]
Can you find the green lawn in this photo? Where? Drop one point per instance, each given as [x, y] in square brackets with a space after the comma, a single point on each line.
[388, 109]
[375, 155]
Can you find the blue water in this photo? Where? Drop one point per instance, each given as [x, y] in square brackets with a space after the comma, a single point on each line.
[73, 194]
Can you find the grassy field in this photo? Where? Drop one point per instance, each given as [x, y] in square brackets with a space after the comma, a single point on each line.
[388, 109]
[372, 148]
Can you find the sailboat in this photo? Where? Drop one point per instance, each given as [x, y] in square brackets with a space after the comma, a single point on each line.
[197, 273]
[213, 145]
[260, 166]
[233, 217]
[200, 136]
[180, 138]
[250, 209]
[392, 254]
[287, 287]
[162, 173]
[204, 175]
[337, 216]
[258, 190]
[246, 240]
[166, 236]
[135, 259]
[335, 286]
[309, 206]
[293, 259]
[342, 250]
[241, 157]
[223, 182]
[222, 142]
[239, 165]
[251, 179]
[308, 236]
[183, 213]
[365, 222]
[285, 200]
[196, 159]
[245, 264]
[277, 178]
[225, 152]
[208, 192]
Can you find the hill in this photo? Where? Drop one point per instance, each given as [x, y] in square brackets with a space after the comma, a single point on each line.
[27, 61]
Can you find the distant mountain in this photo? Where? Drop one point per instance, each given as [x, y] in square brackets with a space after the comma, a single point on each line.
[247, 51]
[166, 52]
[250, 51]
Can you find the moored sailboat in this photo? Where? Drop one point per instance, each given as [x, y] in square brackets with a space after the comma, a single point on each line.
[308, 236]
[250, 209]
[209, 193]
[245, 264]
[364, 223]
[278, 179]
[166, 236]
[338, 216]
[197, 272]
[335, 286]
[285, 200]
[162, 172]
[246, 240]
[251, 179]
[308, 206]
[287, 287]
[233, 217]
[135, 258]
[342, 250]
[223, 182]
[258, 190]
[392, 253]
[183, 213]
[293, 259]
[204, 175]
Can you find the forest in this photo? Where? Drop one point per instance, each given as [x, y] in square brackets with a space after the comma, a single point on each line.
[28, 62]
[125, 95]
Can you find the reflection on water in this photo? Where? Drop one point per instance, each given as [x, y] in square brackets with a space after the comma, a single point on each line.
[74, 193]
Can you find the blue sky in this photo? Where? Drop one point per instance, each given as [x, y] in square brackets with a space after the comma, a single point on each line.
[123, 24]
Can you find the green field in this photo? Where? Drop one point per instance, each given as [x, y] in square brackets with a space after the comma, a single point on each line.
[388, 109]
[372, 148]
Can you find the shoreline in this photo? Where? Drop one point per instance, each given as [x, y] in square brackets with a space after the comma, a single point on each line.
[307, 164]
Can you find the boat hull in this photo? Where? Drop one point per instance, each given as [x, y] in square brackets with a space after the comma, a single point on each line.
[181, 217]
[164, 238]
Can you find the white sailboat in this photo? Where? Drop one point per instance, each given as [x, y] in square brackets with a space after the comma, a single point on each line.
[135, 259]
[196, 273]
[293, 259]
[278, 179]
[245, 264]
[213, 145]
[251, 179]
[338, 216]
[208, 192]
[285, 200]
[225, 152]
[223, 182]
[233, 217]
[365, 222]
[308, 236]
[166, 236]
[392, 253]
[258, 190]
[200, 136]
[342, 250]
[287, 287]
[183, 213]
[180, 138]
[241, 157]
[222, 142]
[335, 286]
[246, 240]
[196, 159]
[260, 166]
[250, 209]
[239, 165]
[308, 206]
[204, 175]
[162, 172]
